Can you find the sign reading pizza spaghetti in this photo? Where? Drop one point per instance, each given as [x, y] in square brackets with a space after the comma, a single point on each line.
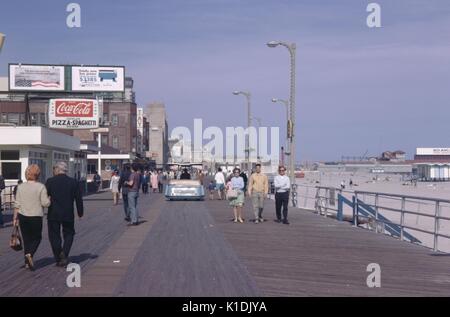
[25, 77]
[98, 78]
[73, 114]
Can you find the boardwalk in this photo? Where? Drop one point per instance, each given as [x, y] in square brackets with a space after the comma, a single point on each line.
[192, 249]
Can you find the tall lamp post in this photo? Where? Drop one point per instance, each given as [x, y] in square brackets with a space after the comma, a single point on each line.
[291, 123]
[249, 121]
[286, 103]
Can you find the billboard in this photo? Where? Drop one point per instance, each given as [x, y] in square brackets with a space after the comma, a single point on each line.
[433, 151]
[73, 114]
[26, 77]
[98, 78]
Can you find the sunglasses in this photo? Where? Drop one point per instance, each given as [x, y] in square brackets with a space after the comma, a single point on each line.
[282, 170]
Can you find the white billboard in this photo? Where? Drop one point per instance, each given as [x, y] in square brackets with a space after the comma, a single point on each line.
[98, 78]
[73, 114]
[433, 151]
[36, 77]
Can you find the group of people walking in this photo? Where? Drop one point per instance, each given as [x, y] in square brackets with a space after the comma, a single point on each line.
[59, 194]
[257, 188]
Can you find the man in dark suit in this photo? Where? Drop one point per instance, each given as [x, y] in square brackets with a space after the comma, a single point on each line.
[63, 192]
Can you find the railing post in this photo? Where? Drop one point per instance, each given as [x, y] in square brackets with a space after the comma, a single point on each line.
[436, 226]
[327, 202]
[402, 219]
[376, 213]
[355, 210]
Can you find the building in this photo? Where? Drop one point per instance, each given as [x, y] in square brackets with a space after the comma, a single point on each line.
[143, 128]
[432, 164]
[158, 133]
[118, 111]
[22, 146]
[121, 119]
[396, 156]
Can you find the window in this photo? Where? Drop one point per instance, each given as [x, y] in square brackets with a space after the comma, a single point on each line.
[43, 119]
[91, 168]
[13, 118]
[34, 118]
[115, 119]
[105, 117]
[104, 140]
[10, 156]
[115, 142]
[4, 118]
[11, 170]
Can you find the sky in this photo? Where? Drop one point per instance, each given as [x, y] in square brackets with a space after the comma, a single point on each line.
[359, 89]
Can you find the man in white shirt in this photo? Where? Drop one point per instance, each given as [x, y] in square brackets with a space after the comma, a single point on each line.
[282, 186]
[220, 183]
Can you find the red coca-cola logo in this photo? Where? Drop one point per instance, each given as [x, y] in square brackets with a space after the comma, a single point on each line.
[74, 108]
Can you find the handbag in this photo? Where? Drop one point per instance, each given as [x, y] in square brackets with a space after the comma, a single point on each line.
[16, 240]
[232, 194]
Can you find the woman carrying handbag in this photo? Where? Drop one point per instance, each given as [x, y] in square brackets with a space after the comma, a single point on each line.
[31, 199]
[236, 195]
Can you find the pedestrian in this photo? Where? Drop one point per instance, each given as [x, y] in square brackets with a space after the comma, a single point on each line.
[201, 177]
[236, 195]
[343, 184]
[351, 182]
[154, 181]
[64, 192]
[126, 172]
[2, 187]
[160, 181]
[211, 188]
[258, 188]
[133, 194]
[97, 181]
[31, 199]
[185, 174]
[145, 182]
[245, 178]
[114, 186]
[282, 187]
[220, 182]
[15, 188]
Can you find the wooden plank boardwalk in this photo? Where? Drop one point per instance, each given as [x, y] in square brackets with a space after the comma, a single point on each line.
[193, 249]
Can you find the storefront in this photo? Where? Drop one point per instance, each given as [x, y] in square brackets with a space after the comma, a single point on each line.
[22, 146]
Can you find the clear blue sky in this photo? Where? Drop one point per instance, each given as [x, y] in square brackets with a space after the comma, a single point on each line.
[358, 89]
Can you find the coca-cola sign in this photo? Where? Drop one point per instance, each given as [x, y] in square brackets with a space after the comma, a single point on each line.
[73, 114]
[74, 108]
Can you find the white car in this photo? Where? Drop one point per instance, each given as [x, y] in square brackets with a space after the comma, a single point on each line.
[184, 190]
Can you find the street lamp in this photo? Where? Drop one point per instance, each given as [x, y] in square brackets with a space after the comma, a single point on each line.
[249, 118]
[2, 40]
[292, 49]
[286, 103]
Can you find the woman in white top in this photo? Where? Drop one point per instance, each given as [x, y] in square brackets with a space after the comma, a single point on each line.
[220, 183]
[31, 199]
[114, 186]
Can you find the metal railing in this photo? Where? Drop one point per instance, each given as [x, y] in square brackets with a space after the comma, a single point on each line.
[430, 209]
[7, 198]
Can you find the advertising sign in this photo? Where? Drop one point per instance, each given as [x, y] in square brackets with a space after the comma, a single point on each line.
[98, 78]
[36, 77]
[433, 151]
[73, 114]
